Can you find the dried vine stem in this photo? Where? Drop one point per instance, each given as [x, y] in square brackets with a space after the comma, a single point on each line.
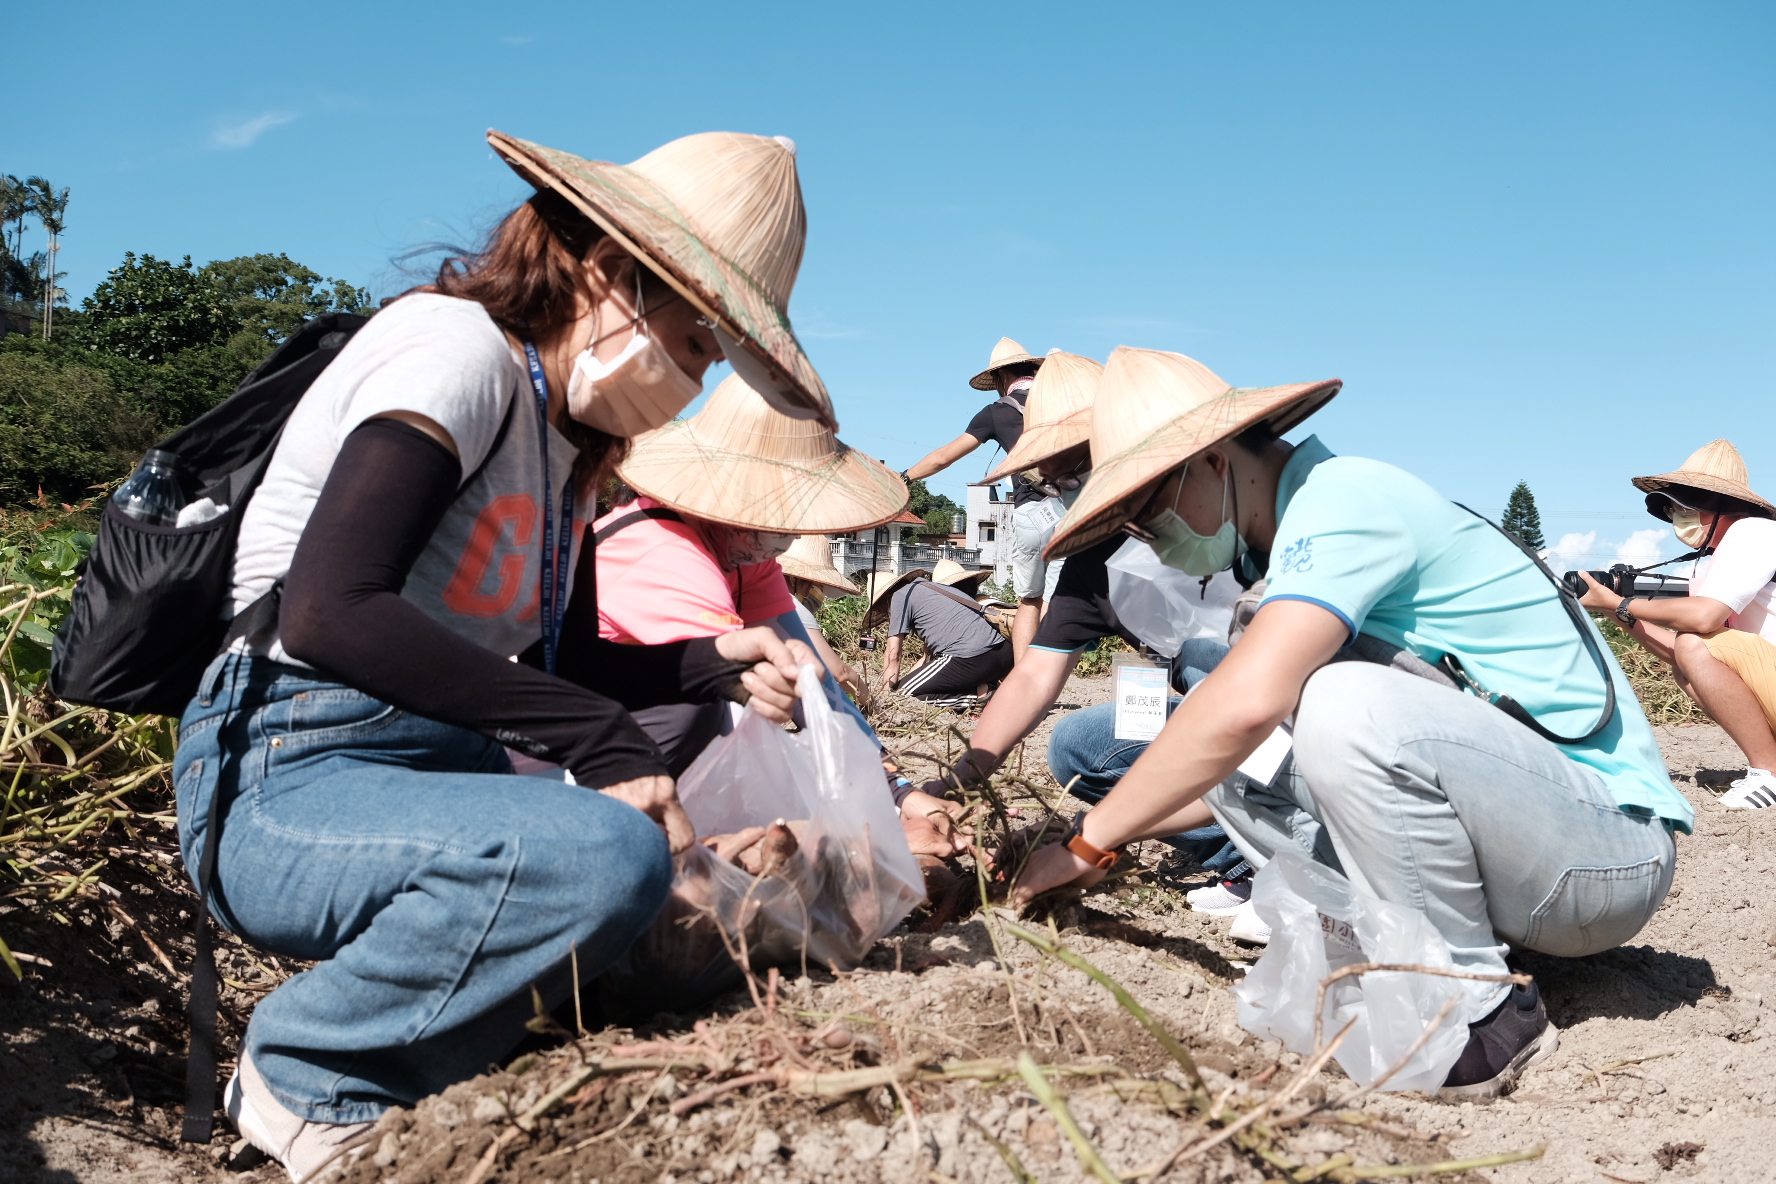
[1405, 968]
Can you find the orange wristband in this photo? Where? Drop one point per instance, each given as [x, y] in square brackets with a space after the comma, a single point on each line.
[1075, 842]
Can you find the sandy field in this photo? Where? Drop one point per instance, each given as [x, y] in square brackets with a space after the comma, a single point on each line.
[1667, 1064]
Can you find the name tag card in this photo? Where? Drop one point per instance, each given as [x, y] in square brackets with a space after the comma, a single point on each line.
[1267, 758]
[1048, 512]
[1142, 697]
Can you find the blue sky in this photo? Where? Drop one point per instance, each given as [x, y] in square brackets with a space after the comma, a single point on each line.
[1534, 240]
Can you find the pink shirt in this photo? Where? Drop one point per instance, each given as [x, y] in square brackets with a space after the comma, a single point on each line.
[657, 582]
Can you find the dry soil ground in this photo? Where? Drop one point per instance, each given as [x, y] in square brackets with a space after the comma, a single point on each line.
[1667, 1066]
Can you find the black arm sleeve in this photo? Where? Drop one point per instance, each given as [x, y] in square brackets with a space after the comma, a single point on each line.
[343, 613]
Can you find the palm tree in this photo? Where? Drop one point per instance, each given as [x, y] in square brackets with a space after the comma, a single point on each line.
[49, 207]
[15, 203]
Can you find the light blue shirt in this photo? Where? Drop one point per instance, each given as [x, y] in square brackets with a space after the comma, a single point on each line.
[1393, 558]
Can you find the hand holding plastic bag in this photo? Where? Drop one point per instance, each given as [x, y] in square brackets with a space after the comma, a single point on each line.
[1319, 922]
[850, 880]
[1164, 607]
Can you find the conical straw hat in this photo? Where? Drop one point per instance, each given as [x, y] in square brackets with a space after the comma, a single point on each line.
[810, 558]
[878, 586]
[1716, 467]
[1006, 353]
[948, 571]
[742, 462]
[1058, 413]
[1155, 410]
[719, 217]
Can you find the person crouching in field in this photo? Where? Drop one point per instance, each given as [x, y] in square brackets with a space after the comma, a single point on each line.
[1720, 639]
[1550, 829]
[344, 793]
[813, 580]
[965, 654]
[692, 547]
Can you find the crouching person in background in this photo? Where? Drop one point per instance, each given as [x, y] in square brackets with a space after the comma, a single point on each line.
[1548, 825]
[965, 654]
[1721, 638]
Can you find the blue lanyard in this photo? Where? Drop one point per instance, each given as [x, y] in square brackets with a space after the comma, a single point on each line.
[553, 581]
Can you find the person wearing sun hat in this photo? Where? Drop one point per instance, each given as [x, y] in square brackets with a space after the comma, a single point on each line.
[1540, 816]
[1083, 751]
[711, 508]
[415, 591]
[813, 580]
[965, 654]
[1011, 370]
[1721, 638]
[692, 546]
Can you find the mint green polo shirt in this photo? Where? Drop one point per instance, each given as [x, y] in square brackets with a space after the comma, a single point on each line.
[1393, 558]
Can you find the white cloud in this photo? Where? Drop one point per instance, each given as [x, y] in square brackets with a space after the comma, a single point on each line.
[242, 134]
[1572, 551]
[1643, 547]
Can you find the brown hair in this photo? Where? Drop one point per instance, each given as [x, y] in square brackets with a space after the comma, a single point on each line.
[530, 278]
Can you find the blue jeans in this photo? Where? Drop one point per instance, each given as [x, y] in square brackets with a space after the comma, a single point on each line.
[1084, 750]
[432, 887]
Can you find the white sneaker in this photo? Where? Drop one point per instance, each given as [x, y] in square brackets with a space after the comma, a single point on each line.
[306, 1149]
[1221, 899]
[1248, 928]
[1754, 791]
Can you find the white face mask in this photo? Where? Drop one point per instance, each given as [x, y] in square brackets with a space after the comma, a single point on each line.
[637, 392]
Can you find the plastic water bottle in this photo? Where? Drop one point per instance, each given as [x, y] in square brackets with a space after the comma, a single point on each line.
[152, 494]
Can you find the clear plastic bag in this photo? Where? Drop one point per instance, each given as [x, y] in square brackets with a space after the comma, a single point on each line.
[1164, 607]
[851, 880]
[1319, 922]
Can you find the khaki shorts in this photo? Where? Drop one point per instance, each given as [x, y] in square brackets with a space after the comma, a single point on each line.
[1753, 659]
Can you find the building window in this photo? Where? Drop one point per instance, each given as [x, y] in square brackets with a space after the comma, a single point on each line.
[987, 532]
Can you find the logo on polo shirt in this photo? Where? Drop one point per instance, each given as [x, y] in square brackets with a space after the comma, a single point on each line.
[1297, 556]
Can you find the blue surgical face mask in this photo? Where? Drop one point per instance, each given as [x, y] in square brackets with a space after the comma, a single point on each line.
[1179, 547]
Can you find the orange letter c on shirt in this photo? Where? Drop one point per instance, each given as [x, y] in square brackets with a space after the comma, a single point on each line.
[463, 594]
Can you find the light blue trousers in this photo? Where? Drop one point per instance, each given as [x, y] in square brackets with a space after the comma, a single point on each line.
[1430, 798]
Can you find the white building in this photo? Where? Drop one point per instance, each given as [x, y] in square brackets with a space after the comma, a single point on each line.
[989, 525]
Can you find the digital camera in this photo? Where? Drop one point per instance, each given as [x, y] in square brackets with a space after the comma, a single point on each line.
[1630, 581]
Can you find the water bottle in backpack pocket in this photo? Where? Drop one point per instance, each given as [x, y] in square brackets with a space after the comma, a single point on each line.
[155, 601]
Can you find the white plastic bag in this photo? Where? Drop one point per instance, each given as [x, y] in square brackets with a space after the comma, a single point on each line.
[851, 881]
[1164, 607]
[1319, 923]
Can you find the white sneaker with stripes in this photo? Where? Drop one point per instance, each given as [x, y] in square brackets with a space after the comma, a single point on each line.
[1754, 791]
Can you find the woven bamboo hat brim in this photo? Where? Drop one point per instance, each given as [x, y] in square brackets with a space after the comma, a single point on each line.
[719, 217]
[742, 462]
[1058, 413]
[1716, 467]
[1155, 410]
[948, 571]
[1006, 353]
[810, 558]
[879, 586]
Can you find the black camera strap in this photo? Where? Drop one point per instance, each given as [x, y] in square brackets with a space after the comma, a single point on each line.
[1587, 634]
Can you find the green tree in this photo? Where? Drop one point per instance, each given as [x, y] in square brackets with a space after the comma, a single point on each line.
[65, 428]
[273, 294]
[1522, 519]
[148, 309]
[935, 508]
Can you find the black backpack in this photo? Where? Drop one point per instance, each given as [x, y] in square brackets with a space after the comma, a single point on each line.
[154, 603]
